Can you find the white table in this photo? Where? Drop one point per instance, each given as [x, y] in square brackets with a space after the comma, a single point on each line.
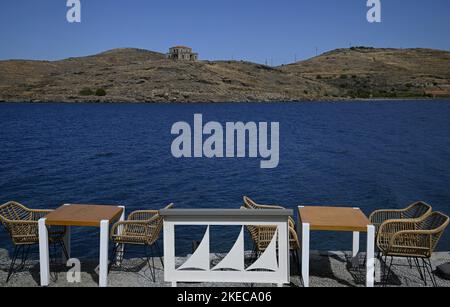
[341, 220]
[79, 216]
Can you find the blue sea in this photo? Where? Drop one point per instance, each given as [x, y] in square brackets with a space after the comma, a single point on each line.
[358, 154]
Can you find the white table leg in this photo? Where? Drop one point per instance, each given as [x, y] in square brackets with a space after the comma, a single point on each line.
[355, 244]
[169, 252]
[44, 260]
[305, 253]
[104, 242]
[370, 279]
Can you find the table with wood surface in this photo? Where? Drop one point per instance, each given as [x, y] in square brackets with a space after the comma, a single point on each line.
[71, 215]
[338, 219]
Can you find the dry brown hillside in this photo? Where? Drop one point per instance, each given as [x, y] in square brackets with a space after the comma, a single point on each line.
[368, 72]
[134, 75]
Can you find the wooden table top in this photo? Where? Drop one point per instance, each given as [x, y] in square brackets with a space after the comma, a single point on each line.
[334, 219]
[83, 215]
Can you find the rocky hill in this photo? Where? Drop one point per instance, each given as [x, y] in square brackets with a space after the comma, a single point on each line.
[134, 75]
[379, 73]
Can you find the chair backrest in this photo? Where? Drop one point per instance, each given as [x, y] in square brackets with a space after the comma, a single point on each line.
[11, 214]
[249, 203]
[13, 211]
[417, 210]
[437, 223]
[252, 229]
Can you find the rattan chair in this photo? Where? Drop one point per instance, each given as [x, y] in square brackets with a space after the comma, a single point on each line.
[414, 211]
[21, 223]
[263, 235]
[142, 228]
[250, 204]
[414, 239]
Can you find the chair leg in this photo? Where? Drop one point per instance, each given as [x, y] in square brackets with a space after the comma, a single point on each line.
[410, 262]
[64, 248]
[24, 257]
[53, 260]
[297, 260]
[121, 253]
[419, 269]
[53, 252]
[389, 271]
[432, 274]
[113, 257]
[429, 268]
[425, 277]
[151, 266]
[160, 253]
[13, 262]
[383, 267]
[254, 256]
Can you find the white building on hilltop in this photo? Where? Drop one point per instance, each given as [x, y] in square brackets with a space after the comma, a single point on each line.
[182, 53]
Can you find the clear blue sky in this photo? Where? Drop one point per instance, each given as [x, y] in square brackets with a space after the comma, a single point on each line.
[253, 30]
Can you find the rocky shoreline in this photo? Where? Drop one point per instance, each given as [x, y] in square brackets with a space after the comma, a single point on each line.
[328, 269]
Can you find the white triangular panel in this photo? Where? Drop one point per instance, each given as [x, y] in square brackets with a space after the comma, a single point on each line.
[268, 260]
[200, 258]
[235, 258]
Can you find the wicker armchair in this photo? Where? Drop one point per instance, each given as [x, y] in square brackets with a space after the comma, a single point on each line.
[263, 235]
[21, 223]
[250, 204]
[414, 239]
[142, 228]
[414, 211]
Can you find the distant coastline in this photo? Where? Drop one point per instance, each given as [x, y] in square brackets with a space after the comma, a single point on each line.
[141, 76]
[355, 100]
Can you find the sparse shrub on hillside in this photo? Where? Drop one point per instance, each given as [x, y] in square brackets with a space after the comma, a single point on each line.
[100, 92]
[359, 94]
[319, 77]
[361, 48]
[86, 92]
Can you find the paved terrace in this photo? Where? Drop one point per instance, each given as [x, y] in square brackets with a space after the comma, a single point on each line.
[333, 269]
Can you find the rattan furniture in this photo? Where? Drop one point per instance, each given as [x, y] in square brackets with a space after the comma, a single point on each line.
[70, 215]
[21, 223]
[340, 220]
[142, 228]
[414, 239]
[414, 211]
[250, 204]
[262, 235]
